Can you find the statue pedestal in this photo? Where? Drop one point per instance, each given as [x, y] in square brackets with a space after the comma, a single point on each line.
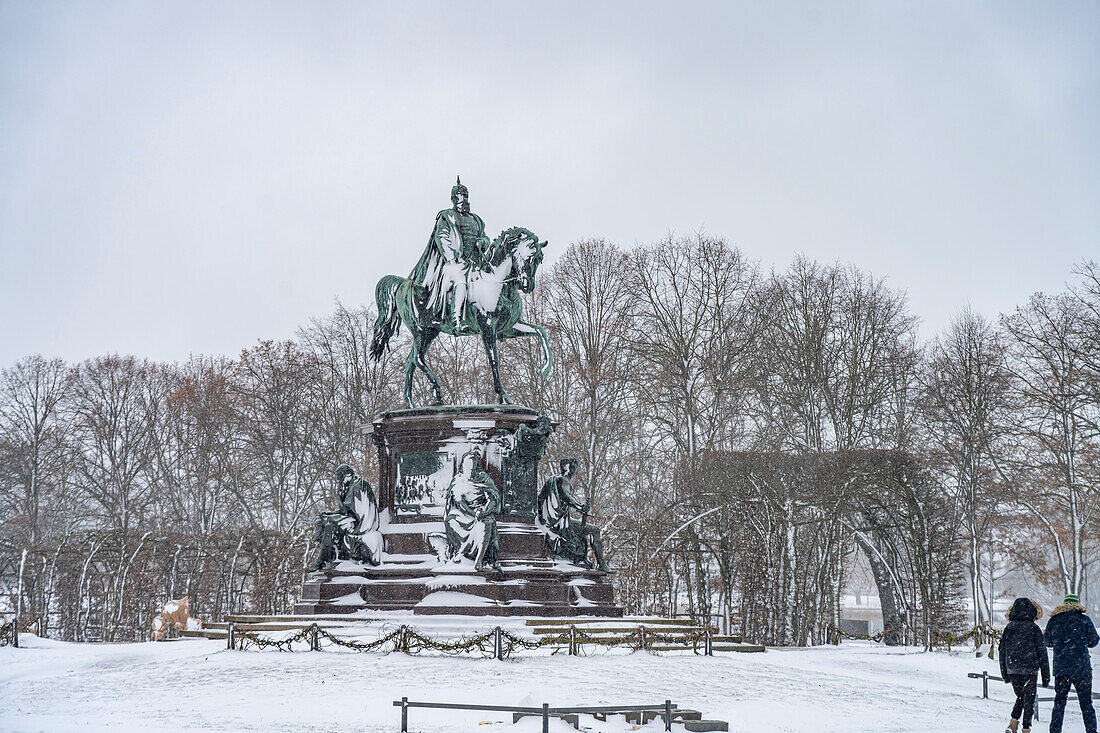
[419, 451]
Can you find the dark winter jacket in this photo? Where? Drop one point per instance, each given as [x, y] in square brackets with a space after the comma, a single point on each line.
[1022, 650]
[1072, 634]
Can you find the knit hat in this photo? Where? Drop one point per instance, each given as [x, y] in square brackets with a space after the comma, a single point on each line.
[1071, 598]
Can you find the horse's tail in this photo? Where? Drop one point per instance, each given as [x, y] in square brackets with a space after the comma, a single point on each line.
[389, 320]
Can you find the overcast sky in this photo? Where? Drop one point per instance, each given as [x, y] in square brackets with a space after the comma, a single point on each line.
[189, 178]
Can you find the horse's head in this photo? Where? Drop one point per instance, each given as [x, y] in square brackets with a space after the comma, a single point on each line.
[526, 251]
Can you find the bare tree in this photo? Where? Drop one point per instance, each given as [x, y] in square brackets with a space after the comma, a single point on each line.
[591, 310]
[837, 348]
[965, 401]
[114, 400]
[692, 339]
[1052, 465]
[355, 388]
[195, 444]
[34, 450]
[1086, 343]
[284, 455]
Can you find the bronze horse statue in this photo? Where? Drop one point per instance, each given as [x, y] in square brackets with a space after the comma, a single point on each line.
[490, 308]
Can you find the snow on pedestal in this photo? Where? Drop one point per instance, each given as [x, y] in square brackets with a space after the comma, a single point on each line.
[418, 451]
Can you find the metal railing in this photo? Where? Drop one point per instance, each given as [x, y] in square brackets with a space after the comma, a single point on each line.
[546, 712]
[985, 677]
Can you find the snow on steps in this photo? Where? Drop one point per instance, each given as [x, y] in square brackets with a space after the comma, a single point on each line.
[613, 629]
[362, 625]
[691, 720]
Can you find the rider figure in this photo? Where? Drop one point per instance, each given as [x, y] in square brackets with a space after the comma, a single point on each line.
[457, 245]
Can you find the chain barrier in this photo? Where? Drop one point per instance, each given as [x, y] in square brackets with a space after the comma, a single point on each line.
[942, 638]
[248, 640]
[403, 639]
[408, 641]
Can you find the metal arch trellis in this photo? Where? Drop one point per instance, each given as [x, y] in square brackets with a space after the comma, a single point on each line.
[9, 633]
[96, 584]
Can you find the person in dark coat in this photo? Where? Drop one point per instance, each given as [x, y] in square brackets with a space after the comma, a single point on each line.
[1071, 633]
[1023, 654]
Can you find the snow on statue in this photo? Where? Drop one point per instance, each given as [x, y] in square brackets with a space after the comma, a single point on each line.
[568, 538]
[470, 516]
[352, 531]
[463, 285]
[175, 613]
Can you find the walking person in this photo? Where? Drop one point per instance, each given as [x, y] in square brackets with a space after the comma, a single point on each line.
[1071, 633]
[1023, 656]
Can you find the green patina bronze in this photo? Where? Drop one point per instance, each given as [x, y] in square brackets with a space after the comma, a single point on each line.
[470, 515]
[520, 471]
[351, 532]
[568, 539]
[463, 285]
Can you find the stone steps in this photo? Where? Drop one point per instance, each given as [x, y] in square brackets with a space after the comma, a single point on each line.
[609, 631]
[205, 634]
[248, 618]
[525, 586]
[597, 626]
[746, 648]
[633, 620]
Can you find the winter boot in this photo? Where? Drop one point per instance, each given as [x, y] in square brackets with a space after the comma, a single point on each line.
[1013, 723]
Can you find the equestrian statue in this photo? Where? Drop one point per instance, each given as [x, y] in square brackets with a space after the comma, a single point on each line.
[463, 285]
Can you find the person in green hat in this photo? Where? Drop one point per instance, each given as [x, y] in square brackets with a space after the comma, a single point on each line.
[1071, 634]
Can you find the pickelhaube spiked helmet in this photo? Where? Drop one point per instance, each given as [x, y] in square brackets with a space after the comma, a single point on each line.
[458, 188]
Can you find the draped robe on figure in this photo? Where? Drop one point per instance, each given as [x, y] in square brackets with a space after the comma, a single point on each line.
[565, 535]
[469, 536]
[458, 243]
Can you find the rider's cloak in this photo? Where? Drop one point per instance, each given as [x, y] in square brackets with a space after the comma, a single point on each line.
[446, 260]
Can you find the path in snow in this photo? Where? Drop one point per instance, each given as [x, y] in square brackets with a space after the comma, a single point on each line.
[197, 685]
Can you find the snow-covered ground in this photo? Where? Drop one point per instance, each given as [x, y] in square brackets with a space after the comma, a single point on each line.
[196, 685]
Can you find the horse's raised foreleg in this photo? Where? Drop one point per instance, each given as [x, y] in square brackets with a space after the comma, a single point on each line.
[522, 328]
[489, 338]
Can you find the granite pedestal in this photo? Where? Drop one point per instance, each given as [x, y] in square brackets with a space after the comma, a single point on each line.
[418, 452]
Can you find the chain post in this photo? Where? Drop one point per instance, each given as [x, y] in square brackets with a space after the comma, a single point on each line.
[572, 640]
[498, 643]
[708, 647]
[668, 714]
[985, 685]
[642, 634]
[15, 632]
[315, 640]
[546, 717]
[404, 715]
[230, 642]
